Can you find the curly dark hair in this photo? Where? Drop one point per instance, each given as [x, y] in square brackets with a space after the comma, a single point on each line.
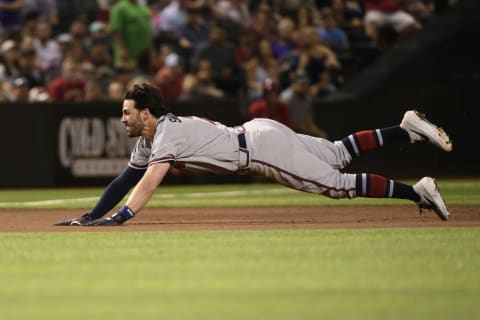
[147, 97]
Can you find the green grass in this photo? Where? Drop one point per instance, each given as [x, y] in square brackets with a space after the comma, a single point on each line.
[249, 195]
[429, 273]
[420, 273]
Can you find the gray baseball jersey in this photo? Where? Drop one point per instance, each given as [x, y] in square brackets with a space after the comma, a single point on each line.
[260, 146]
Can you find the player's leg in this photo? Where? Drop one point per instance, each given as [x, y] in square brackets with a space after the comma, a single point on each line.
[297, 161]
[414, 128]
[311, 164]
[364, 141]
[339, 153]
[304, 171]
[425, 192]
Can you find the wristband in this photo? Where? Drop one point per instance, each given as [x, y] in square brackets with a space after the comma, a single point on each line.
[124, 214]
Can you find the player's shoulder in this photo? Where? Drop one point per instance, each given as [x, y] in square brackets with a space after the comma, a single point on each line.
[171, 118]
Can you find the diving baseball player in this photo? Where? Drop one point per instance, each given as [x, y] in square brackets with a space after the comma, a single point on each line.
[260, 146]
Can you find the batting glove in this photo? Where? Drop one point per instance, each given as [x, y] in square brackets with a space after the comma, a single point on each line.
[124, 214]
[80, 221]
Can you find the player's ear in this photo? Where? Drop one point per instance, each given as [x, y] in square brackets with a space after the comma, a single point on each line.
[145, 114]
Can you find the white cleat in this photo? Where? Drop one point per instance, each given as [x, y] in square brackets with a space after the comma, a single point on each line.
[430, 197]
[420, 129]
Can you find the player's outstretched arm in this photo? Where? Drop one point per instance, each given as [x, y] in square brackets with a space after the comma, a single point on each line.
[112, 195]
[138, 198]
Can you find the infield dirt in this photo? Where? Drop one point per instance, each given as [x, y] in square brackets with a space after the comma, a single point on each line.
[167, 219]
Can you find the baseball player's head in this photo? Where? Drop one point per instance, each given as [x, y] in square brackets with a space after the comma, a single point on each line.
[147, 97]
[141, 106]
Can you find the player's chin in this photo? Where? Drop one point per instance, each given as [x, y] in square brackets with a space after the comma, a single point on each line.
[132, 134]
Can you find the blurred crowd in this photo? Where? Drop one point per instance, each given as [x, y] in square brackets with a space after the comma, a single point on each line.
[300, 50]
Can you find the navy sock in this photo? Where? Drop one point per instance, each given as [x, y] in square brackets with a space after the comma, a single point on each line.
[375, 186]
[364, 141]
[394, 134]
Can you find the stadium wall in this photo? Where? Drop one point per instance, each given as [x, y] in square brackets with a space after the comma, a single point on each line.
[51, 145]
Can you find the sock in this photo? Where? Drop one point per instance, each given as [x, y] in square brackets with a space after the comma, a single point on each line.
[375, 186]
[364, 141]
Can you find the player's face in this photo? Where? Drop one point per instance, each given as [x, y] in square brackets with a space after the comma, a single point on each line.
[131, 119]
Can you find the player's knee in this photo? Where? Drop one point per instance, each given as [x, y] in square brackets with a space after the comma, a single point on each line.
[339, 194]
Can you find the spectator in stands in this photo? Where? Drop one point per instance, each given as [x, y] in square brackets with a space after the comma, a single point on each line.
[93, 91]
[236, 11]
[353, 10]
[200, 83]
[29, 24]
[98, 55]
[270, 106]
[11, 14]
[169, 79]
[307, 17]
[421, 10]
[124, 75]
[315, 58]
[323, 87]
[148, 64]
[131, 30]
[348, 15]
[221, 55]
[104, 7]
[246, 48]
[264, 22]
[331, 35]
[8, 61]
[285, 42]
[29, 69]
[385, 15]
[48, 54]
[78, 30]
[290, 8]
[312, 58]
[68, 87]
[65, 47]
[99, 33]
[193, 33]
[116, 91]
[19, 90]
[45, 10]
[38, 94]
[298, 98]
[171, 19]
[261, 67]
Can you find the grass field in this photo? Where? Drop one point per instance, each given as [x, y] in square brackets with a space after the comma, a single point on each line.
[418, 273]
[246, 195]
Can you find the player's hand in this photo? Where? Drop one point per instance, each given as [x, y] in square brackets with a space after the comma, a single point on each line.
[124, 214]
[80, 221]
[103, 222]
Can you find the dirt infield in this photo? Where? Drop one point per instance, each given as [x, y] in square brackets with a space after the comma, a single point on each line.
[249, 219]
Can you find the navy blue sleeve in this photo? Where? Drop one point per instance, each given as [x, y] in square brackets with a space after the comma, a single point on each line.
[116, 190]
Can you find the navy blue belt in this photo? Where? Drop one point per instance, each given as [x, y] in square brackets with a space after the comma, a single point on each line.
[241, 140]
[244, 154]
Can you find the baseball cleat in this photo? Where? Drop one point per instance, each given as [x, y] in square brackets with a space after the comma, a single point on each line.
[420, 129]
[430, 197]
